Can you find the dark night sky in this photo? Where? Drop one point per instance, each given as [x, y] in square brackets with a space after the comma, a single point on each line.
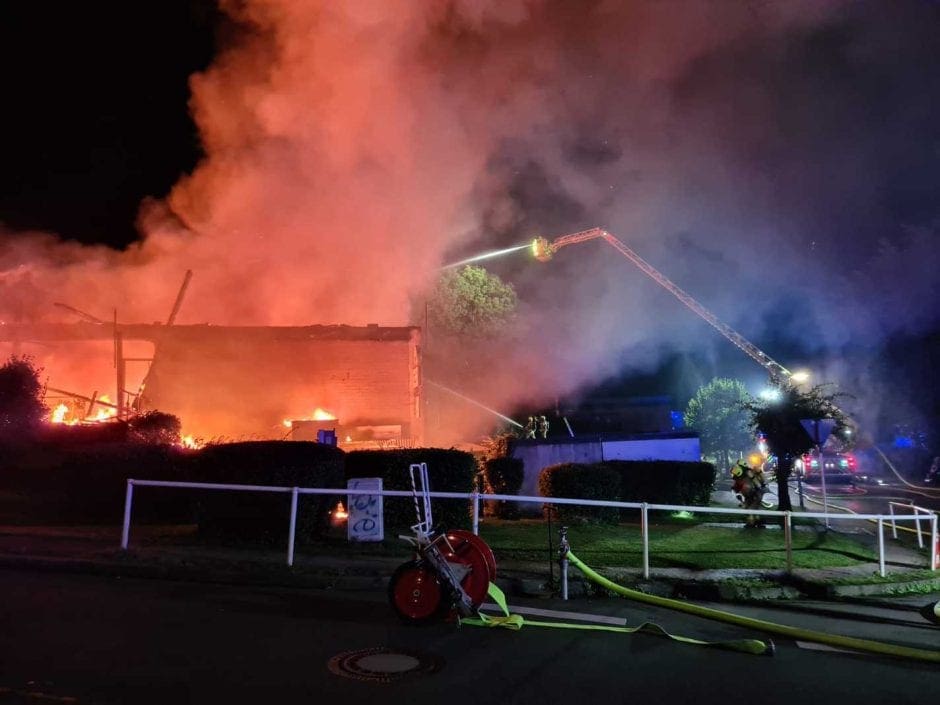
[95, 120]
[95, 111]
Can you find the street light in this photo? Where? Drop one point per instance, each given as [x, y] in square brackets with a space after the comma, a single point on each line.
[800, 376]
[770, 394]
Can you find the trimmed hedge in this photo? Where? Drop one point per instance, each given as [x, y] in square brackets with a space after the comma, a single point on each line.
[653, 481]
[448, 471]
[664, 481]
[264, 516]
[580, 481]
[86, 483]
[504, 476]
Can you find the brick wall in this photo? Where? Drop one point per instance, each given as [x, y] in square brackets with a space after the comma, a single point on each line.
[236, 389]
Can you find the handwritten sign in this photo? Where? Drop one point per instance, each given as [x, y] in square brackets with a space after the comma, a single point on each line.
[365, 522]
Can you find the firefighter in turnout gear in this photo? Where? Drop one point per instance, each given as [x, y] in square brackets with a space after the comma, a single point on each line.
[531, 427]
[749, 485]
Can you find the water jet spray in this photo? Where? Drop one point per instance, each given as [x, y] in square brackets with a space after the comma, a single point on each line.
[487, 255]
[474, 402]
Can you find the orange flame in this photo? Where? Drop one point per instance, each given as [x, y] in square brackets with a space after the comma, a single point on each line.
[190, 441]
[105, 412]
[317, 415]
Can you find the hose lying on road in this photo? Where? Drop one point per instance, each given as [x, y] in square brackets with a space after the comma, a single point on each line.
[845, 642]
[925, 491]
[516, 621]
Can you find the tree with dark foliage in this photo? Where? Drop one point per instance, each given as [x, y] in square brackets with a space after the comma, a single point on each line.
[21, 408]
[779, 421]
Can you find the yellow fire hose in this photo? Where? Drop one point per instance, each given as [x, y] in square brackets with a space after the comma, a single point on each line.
[751, 646]
[516, 622]
[845, 642]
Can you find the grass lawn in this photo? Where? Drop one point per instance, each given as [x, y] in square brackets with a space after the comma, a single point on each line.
[679, 546]
[672, 545]
[684, 543]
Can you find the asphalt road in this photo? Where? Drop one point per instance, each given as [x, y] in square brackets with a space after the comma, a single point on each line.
[111, 640]
[874, 498]
[859, 497]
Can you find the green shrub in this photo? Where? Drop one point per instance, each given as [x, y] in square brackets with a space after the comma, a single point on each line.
[264, 516]
[581, 481]
[653, 481]
[21, 405]
[448, 471]
[504, 476]
[664, 481]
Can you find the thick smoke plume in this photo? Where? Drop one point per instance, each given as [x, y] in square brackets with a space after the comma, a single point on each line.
[754, 151]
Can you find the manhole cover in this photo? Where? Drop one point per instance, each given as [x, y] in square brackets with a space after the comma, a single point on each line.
[382, 665]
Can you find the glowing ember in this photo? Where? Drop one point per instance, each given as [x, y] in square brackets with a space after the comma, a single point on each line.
[59, 413]
[340, 513]
[317, 415]
[191, 442]
[71, 415]
[103, 413]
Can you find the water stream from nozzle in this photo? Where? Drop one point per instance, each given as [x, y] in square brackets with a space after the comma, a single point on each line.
[487, 255]
[474, 402]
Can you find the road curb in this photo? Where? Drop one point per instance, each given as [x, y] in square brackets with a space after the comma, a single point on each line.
[886, 589]
[367, 576]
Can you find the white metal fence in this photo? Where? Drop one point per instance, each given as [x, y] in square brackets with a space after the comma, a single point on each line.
[474, 498]
[920, 513]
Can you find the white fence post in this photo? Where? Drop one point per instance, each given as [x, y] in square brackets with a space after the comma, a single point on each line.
[645, 531]
[788, 538]
[934, 544]
[881, 547]
[920, 539]
[894, 527]
[128, 501]
[292, 532]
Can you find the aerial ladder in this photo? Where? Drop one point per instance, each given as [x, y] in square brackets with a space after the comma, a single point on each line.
[544, 250]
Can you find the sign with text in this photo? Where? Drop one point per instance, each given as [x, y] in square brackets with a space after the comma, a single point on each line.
[365, 522]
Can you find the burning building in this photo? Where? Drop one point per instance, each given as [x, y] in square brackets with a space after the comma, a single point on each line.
[237, 382]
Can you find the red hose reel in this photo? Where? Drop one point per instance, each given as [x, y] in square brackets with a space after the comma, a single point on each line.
[450, 571]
